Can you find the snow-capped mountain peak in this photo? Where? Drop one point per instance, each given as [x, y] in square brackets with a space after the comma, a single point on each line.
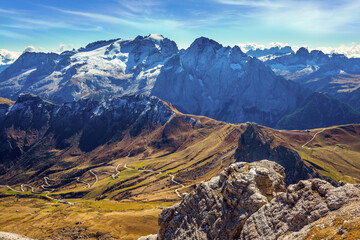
[101, 69]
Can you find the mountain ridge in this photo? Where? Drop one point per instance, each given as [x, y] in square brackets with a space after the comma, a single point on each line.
[206, 79]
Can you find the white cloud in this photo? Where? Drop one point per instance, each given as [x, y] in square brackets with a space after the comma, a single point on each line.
[93, 16]
[263, 3]
[7, 11]
[352, 51]
[32, 23]
[63, 47]
[8, 57]
[141, 6]
[29, 49]
[252, 46]
[303, 15]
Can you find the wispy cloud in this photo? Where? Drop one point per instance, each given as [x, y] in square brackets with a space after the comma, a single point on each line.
[32, 23]
[141, 6]
[303, 15]
[12, 34]
[261, 3]
[93, 16]
[7, 11]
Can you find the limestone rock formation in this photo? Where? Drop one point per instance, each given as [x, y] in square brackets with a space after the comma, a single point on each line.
[302, 204]
[250, 201]
[219, 208]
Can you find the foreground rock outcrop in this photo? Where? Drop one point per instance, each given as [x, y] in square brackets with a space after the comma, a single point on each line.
[250, 201]
[12, 236]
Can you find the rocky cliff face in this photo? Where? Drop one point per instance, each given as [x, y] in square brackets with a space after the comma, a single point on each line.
[226, 84]
[206, 79]
[319, 110]
[254, 146]
[301, 205]
[250, 201]
[100, 70]
[218, 209]
[31, 120]
[334, 74]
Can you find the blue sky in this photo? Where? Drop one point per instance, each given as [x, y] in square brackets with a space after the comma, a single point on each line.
[54, 24]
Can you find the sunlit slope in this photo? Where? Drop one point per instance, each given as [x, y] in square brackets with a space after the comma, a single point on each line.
[334, 151]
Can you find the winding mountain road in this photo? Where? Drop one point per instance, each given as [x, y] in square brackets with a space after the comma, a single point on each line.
[47, 185]
[172, 177]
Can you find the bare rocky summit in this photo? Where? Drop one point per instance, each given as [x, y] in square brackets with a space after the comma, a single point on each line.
[251, 201]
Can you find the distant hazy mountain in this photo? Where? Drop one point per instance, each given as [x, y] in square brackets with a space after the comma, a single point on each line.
[334, 74]
[319, 110]
[270, 53]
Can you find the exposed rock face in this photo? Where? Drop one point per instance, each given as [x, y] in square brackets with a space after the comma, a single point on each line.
[233, 86]
[219, 208]
[31, 119]
[249, 201]
[100, 70]
[334, 74]
[225, 84]
[302, 204]
[319, 110]
[254, 146]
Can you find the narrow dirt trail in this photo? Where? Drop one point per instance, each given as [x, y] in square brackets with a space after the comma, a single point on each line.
[312, 138]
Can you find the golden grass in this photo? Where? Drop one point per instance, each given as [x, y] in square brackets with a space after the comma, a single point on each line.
[335, 152]
[6, 101]
[41, 219]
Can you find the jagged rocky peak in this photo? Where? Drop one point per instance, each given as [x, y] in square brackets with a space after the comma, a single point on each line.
[93, 123]
[101, 70]
[98, 44]
[166, 46]
[43, 61]
[229, 82]
[202, 43]
[250, 201]
[218, 209]
[28, 98]
[302, 52]
[290, 215]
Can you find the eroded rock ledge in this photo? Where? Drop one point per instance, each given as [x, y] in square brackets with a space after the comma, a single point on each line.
[251, 201]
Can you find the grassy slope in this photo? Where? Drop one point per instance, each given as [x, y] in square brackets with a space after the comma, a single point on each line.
[6, 101]
[43, 219]
[335, 152]
[192, 153]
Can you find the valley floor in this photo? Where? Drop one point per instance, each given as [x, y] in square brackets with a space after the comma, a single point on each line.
[104, 219]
